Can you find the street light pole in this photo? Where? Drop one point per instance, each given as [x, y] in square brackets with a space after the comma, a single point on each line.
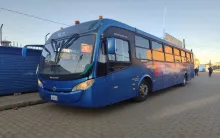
[1, 34]
[46, 37]
[164, 22]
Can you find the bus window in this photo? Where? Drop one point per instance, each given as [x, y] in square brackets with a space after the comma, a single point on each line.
[158, 55]
[122, 51]
[192, 60]
[187, 55]
[183, 53]
[168, 49]
[157, 46]
[177, 59]
[184, 59]
[169, 57]
[188, 60]
[142, 48]
[142, 42]
[176, 52]
[142, 53]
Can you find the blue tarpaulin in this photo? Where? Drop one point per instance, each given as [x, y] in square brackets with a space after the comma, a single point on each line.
[201, 68]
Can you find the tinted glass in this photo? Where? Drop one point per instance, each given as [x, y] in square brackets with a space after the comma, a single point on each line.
[183, 59]
[158, 55]
[73, 59]
[183, 53]
[142, 53]
[187, 55]
[177, 59]
[176, 52]
[157, 46]
[168, 49]
[169, 57]
[122, 50]
[142, 42]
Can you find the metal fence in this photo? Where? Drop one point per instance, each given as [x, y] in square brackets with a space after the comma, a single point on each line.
[18, 75]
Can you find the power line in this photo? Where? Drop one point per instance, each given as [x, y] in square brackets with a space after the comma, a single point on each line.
[32, 16]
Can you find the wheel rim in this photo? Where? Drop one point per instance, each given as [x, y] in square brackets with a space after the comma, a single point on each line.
[143, 90]
[184, 80]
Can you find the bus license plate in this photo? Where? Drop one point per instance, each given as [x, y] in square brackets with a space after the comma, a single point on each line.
[54, 97]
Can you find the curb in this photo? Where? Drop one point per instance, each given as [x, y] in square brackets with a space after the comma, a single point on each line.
[21, 104]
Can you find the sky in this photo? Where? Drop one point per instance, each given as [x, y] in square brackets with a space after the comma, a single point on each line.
[196, 21]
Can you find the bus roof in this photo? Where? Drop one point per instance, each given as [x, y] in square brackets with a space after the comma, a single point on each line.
[133, 29]
[86, 26]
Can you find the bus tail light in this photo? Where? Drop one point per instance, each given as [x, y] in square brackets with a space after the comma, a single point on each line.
[84, 85]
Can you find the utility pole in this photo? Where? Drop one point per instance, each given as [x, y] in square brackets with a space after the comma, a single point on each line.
[1, 34]
[164, 22]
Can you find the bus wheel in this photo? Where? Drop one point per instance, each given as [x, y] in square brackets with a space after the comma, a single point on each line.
[143, 91]
[183, 82]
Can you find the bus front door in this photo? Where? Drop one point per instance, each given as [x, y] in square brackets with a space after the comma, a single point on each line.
[119, 84]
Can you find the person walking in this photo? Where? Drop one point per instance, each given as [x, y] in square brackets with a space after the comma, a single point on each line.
[210, 71]
[196, 71]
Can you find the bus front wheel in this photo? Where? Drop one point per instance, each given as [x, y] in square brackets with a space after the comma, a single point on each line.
[143, 91]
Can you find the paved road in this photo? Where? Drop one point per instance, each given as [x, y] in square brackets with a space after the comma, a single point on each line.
[179, 112]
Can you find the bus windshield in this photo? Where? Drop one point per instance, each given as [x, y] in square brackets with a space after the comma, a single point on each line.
[64, 57]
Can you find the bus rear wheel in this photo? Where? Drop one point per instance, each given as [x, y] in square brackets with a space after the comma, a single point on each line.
[184, 81]
[143, 91]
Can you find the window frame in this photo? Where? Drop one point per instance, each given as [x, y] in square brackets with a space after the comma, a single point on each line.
[170, 47]
[129, 52]
[158, 43]
[171, 55]
[157, 51]
[137, 46]
[165, 53]
[174, 51]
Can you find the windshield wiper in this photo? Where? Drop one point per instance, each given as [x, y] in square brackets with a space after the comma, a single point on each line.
[67, 44]
[80, 58]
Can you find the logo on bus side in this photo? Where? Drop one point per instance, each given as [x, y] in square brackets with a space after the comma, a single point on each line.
[54, 77]
[60, 34]
[120, 35]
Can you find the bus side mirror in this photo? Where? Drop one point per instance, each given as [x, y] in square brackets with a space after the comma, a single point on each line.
[111, 45]
[24, 52]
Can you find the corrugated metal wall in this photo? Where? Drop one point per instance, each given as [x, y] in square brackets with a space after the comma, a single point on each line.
[16, 73]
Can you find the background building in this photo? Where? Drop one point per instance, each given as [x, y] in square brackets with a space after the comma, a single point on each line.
[173, 40]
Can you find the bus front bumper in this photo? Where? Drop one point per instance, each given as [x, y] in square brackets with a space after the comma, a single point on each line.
[76, 98]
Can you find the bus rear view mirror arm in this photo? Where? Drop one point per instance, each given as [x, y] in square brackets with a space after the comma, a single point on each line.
[111, 45]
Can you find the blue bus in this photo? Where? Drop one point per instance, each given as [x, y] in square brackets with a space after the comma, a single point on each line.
[102, 62]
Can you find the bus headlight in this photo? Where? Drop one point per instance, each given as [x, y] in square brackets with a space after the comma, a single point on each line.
[40, 83]
[84, 85]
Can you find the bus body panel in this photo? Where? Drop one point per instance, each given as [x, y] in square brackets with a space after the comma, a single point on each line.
[122, 84]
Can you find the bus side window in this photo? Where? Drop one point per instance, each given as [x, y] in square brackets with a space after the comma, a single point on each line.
[121, 59]
[143, 50]
[157, 49]
[177, 55]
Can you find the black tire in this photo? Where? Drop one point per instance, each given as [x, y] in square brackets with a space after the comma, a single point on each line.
[143, 91]
[184, 81]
